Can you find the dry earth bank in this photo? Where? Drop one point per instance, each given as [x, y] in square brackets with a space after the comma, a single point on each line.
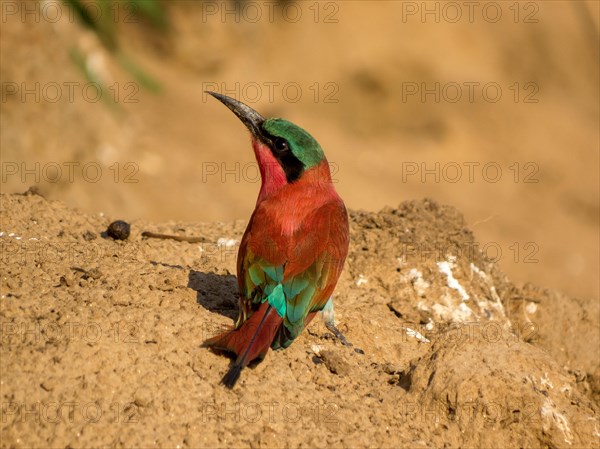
[100, 342]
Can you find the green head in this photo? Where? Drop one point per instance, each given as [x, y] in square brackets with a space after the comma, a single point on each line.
[295, 149]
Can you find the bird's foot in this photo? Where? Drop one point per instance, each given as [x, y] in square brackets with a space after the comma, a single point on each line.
[341, 337]
[336, 332]
[328, 318]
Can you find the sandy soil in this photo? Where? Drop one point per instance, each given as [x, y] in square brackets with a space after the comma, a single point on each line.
[180, 156]
[100, 342]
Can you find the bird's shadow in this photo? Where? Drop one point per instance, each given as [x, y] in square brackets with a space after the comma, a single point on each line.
[217, 293]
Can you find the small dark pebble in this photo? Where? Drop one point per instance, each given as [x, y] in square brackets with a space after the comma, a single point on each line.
[65, 281]
[94, 273]
[119, 230]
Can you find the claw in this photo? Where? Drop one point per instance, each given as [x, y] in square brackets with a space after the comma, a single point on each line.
[334, 330]
[328, 317]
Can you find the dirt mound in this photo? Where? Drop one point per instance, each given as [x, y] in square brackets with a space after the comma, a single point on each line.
[498, 119]
[100, 342]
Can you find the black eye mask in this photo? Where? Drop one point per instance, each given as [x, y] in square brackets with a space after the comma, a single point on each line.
[292, 166]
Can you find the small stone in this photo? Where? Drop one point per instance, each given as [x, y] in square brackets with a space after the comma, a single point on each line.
[88, 235]
[335, 362]
[66, 281]
[142, 397]
[119, 230]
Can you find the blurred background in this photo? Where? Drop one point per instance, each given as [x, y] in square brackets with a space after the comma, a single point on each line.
[492, 107]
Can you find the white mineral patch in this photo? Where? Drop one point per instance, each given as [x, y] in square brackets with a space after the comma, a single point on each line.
[361, 280]
[457, 314]
[226, 242]
[495, 296]
[445, 267]
[416, 279]
[316, 349]
[545, 382]
[566, 389]
[531, 308]
[462, 313]
[412, 333]
[551, 416]
[481, 273]
[496, 304]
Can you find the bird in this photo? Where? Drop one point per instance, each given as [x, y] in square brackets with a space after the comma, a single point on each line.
[294, 247]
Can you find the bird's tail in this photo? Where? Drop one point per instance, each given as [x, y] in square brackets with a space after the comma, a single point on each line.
[249, 342]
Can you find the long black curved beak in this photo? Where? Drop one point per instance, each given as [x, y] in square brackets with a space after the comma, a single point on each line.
[252, 119]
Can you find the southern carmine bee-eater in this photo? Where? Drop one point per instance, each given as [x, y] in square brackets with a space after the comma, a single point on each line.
[293, 250]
